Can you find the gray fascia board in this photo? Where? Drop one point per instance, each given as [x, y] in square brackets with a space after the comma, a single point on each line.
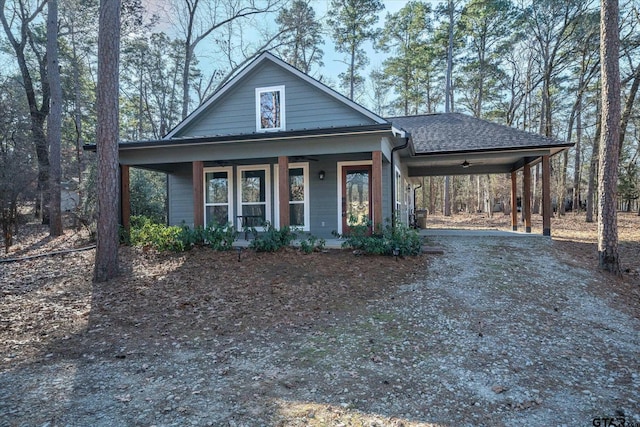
[255, 137]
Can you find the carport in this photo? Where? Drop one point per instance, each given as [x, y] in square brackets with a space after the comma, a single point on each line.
[448, 144]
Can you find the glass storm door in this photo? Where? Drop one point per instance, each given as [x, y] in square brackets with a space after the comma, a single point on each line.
[356, 196]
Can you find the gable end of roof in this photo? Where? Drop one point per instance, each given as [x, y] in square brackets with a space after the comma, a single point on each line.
[267, 56]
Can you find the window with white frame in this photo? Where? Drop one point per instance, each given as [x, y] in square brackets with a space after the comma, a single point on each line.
[298, 196]
[270, 109]
[399, 193]
[254, 195]
[218, 184]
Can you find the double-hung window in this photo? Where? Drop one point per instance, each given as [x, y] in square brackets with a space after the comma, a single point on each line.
[218, 184]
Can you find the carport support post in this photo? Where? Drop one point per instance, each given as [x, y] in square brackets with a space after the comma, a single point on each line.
[546, 196]
[376, 190]
[514, 201]
[526, 192]
[283, 190]
[198, 194]
[125, 198]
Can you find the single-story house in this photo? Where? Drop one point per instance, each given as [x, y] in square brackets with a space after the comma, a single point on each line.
[275, 145]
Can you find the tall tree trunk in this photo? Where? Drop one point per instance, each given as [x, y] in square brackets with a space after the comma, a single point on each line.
[106, 264]
[610, 138]
[577, 160]
[448, 103]
[352, 72]
[593, 173]
[432, 203]
[185, 81]
[54, 123]
[535, 209]
[628, 108]
[37, 115]
[562, 187]
[78, 122]
[447, 196]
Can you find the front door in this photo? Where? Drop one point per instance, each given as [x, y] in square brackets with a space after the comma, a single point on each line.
[356, 196]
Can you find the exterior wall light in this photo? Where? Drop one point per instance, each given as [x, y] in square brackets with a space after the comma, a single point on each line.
[321, 175]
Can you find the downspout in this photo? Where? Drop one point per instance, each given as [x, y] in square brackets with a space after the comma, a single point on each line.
[401, 134]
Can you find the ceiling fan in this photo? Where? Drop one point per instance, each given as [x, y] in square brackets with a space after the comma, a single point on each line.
[466, 163]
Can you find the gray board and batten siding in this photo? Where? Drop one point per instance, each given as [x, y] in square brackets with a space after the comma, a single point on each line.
[306, 106]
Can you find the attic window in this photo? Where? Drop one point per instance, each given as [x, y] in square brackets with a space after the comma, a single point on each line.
[270, 109]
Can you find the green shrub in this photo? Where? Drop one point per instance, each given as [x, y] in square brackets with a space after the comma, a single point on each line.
[144, 232]
[272, 239]
[406, 240]
[158, 236]
[220, 238]
[311, 244]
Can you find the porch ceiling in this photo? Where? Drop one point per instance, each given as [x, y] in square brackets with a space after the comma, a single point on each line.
[474, 163]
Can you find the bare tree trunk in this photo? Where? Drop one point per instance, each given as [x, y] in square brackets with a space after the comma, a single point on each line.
[562, 190]
[610, 138]
[37, 115]
[536, 197]
[577, 161]
[106, 264]
[447, 196]
[54, 120]
[593, 173]
[78, 124]
[628, 107]
[448, 103]
[432, 204]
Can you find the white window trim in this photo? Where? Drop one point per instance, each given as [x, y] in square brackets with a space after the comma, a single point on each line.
[307, 214]
[267, 189]
[400, 191]
[229, 171]
[340, 166]
[282, 108]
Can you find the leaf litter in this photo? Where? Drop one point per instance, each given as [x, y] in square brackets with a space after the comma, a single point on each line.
[494, 332]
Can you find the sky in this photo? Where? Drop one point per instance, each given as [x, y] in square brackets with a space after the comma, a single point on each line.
[333, 64]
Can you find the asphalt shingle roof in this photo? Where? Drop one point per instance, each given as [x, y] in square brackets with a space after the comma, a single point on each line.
[451, 132]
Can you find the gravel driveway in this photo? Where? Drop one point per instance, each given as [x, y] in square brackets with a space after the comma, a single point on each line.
[499, 332]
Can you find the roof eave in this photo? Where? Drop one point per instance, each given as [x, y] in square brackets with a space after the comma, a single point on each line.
[254, 137]
[551, 147]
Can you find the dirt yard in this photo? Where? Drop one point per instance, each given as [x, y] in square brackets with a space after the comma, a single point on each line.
[497, 331]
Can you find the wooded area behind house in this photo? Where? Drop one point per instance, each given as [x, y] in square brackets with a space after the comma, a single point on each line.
[531, 65]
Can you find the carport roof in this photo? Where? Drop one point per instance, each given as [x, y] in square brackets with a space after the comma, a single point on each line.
[457, 144]
[454, 133]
